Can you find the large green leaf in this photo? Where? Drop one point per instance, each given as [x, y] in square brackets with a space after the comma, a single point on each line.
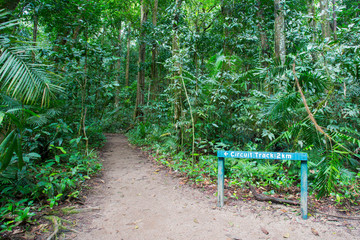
[2, 115]
[7, 148]
[10, 145]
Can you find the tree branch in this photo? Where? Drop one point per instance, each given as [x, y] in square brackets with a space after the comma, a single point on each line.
[261, 197]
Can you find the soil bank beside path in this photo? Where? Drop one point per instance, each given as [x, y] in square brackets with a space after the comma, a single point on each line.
[139, 202]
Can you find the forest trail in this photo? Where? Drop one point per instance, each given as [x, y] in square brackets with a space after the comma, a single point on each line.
[138, 201]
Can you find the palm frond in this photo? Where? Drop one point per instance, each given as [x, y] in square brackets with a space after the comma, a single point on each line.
[6, 24]
[24, 82]
[280, 105]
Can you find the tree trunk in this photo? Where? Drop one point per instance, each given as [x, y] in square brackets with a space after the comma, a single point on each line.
[263, 37]
[226, 12]
[175, 51]
[128, 57]
[324, 13]
[312, 23]
[280, 49]
[334, 19]
[35, 30]
[83, 86]
[177, 89]
[139, 114]
[154, 73]
[118, 66]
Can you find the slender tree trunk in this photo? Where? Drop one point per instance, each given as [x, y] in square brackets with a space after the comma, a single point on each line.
[35, 30]
[139, 114]
[226, 13]
[128, 57]
[83, 86]
[265, 49]
[154, 71]
[324, 13]
[177, 88]
[280, 48]
[175, 51]
[312, 23]
[118, 66]
[263, 37]
[334, 19]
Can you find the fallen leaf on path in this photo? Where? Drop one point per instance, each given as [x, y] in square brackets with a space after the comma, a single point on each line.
[286, 235]
[40, 227]
[264, 231]
[136, 227]
[195, 220]
[313, 230]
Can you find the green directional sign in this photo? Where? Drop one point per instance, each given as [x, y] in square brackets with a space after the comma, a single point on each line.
[263, 155]
[303, 157]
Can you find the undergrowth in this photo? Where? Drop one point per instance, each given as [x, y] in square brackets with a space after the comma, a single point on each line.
[25, 193]
[48, 178]
[274, 177]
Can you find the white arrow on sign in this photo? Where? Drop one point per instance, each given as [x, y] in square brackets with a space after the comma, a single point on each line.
[226, 154]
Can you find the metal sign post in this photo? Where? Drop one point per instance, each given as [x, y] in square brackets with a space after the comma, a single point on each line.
[303, 157]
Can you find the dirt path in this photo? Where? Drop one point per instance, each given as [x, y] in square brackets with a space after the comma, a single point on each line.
[138, 202]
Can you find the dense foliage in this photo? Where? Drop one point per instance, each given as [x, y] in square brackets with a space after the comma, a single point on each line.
[187, 78]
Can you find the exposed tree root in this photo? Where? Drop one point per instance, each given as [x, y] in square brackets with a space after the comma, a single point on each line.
[261, 197]
[58, 223]
[58, 226]
[73, 210]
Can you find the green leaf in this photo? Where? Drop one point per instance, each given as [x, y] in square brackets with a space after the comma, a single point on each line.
[2, 115]
[6, 141]
[6, 158]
